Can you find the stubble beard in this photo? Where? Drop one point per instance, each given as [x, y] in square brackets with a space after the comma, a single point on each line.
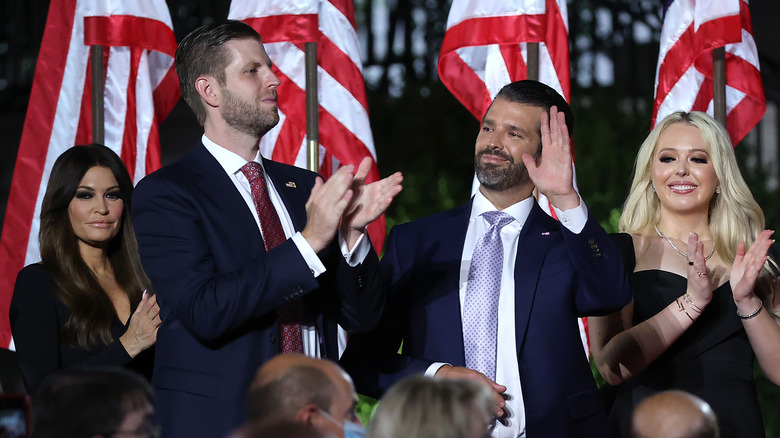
[500, 178]
[247, 118]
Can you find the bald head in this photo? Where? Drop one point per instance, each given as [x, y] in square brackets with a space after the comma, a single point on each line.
[674, 414]
[295, 387]
[279, 366]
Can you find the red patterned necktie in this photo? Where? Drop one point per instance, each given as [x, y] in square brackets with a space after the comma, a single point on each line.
[273, 236]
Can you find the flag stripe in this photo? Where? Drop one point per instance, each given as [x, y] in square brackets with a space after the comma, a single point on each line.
[690, 32]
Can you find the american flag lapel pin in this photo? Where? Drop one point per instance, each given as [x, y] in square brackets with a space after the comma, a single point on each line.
[546, 233]
[290, 184]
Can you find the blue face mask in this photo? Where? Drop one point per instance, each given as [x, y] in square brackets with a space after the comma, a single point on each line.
[351, 429]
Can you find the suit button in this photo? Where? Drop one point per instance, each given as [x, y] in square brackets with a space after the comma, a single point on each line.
[273, 339]
[591, 241]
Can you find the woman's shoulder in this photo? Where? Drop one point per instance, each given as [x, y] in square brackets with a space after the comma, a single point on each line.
[33, 281]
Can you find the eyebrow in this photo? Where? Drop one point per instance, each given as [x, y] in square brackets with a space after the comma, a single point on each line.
[91, 189]
[509, 126]
[692, 150]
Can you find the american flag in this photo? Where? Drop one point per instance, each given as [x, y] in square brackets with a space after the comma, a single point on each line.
[485, 48]
[691, 29]
[344, 130]
[140, 90]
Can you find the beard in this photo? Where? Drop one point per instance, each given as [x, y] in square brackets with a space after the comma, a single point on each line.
[497, 178]
[247, 118]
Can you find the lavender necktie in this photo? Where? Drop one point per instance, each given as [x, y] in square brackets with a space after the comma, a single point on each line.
[480, 307]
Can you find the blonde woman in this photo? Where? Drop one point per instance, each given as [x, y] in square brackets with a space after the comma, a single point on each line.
[705, 297]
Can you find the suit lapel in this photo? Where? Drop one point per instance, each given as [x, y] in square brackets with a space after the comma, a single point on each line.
[450, 319]
[534, 242]
[293, 187]
[215, 184]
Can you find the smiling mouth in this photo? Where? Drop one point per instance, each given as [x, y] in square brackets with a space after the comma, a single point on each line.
[682, 188]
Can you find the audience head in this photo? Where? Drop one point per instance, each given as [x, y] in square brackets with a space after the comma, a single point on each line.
[203, 53]
[734, 214]
[293, 387]
[674, 414]
[98, 402]
[424, 407]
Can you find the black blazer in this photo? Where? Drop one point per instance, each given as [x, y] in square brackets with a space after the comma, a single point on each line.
[37, 316]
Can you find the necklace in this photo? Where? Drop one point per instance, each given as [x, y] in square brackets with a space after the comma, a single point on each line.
[678, 249]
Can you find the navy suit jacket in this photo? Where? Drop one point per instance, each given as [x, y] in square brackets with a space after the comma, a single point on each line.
[218, 288]
[559, 276]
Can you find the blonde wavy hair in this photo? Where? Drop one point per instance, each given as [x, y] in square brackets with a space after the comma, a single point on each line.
[734, 215]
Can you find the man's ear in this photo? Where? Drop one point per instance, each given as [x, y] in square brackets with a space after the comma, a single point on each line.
[308, 414]
[209, 90]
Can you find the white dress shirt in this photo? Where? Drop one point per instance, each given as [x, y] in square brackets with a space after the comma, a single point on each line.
[232, 164]
[507, 368]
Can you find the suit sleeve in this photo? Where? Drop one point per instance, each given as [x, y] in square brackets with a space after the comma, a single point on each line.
[359, 292]
[373, 359]
[602, 280]
[35, 325]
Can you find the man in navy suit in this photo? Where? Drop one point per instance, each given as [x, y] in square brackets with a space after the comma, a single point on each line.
[527, 346]
[233, 241]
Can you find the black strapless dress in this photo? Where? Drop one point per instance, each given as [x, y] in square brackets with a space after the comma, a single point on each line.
[713, 359]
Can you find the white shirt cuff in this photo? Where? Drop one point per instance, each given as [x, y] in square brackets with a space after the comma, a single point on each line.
[309, 256]
[359, 250]
[433, 368]
[573, 219]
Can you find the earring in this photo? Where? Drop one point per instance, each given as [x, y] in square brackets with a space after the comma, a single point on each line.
[717, 189]
[653, 189]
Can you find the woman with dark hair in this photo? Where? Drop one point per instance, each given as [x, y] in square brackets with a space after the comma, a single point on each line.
[88, 302]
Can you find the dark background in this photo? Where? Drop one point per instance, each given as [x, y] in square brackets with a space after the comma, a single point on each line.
[421, 130]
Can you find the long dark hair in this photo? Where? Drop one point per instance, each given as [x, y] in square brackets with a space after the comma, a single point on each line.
[92, 312]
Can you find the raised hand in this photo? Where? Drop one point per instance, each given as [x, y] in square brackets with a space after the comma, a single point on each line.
[745, 270]
[326, 204]
[368, 201]
[553, 175]
[699, 286]
[141, 331]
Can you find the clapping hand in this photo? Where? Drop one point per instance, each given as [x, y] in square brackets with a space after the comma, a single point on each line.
[142, 329]
[745, 270]
[699, 286]
[368, 201]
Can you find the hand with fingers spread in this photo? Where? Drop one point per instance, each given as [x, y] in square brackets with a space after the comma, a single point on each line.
[451, 372]
[745, 269]
[699, 287]
[368, 201]
[326, 204]
[142, 329]
[553, 174]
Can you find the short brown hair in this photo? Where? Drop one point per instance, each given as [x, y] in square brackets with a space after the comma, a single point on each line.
[201, 53]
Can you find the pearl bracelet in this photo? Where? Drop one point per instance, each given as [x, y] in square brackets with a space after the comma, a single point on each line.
[760, 307]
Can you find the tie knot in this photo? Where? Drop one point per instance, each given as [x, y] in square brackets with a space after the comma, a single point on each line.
[497, 219]
[253, 171]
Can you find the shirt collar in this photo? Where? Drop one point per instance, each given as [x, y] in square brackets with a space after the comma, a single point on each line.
[519, 211]
[230, 161]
